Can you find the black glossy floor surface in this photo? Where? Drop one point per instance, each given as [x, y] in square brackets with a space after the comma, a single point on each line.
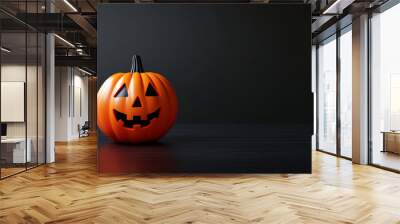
[202, 148]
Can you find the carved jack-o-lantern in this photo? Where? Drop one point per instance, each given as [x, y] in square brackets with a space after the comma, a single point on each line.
[136, 106]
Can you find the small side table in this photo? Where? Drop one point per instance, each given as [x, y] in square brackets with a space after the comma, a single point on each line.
[391, 141]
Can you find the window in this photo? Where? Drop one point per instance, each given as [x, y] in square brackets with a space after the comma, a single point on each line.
[385, 88]
[346, 93]
[22, 78]
[334, 106]
[327, 95]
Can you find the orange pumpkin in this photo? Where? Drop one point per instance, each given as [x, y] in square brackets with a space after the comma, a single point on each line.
[137, 106]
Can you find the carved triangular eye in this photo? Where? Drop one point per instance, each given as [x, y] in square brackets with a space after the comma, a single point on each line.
[122, 92]
[151, 91]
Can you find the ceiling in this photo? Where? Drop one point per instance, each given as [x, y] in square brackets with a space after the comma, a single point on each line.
[76, 21]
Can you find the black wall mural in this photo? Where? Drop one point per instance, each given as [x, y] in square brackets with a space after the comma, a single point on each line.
[242, 74]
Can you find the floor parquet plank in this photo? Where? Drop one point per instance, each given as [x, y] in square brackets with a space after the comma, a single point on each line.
[71, 191]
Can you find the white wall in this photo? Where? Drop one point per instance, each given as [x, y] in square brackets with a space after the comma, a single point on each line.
[71, 102]
[16, 72]
[61, 103]
[80, 112]
[33, 126]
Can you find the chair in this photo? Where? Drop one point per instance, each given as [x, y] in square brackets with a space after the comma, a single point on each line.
[84, 130]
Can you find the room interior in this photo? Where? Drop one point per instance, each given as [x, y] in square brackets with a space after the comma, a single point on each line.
[22, 101]
[288, 111]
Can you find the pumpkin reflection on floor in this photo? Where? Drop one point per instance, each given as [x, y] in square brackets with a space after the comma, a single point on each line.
[145, 158]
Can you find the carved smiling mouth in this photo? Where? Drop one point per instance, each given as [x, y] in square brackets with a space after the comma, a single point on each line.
[136, 119]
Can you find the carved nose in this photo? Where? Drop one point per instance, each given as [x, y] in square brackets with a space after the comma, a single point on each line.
[137, 102]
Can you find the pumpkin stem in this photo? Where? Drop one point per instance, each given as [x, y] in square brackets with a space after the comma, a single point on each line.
[137, 65]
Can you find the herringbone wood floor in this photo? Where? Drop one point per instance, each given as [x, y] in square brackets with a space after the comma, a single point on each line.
[70, 191]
